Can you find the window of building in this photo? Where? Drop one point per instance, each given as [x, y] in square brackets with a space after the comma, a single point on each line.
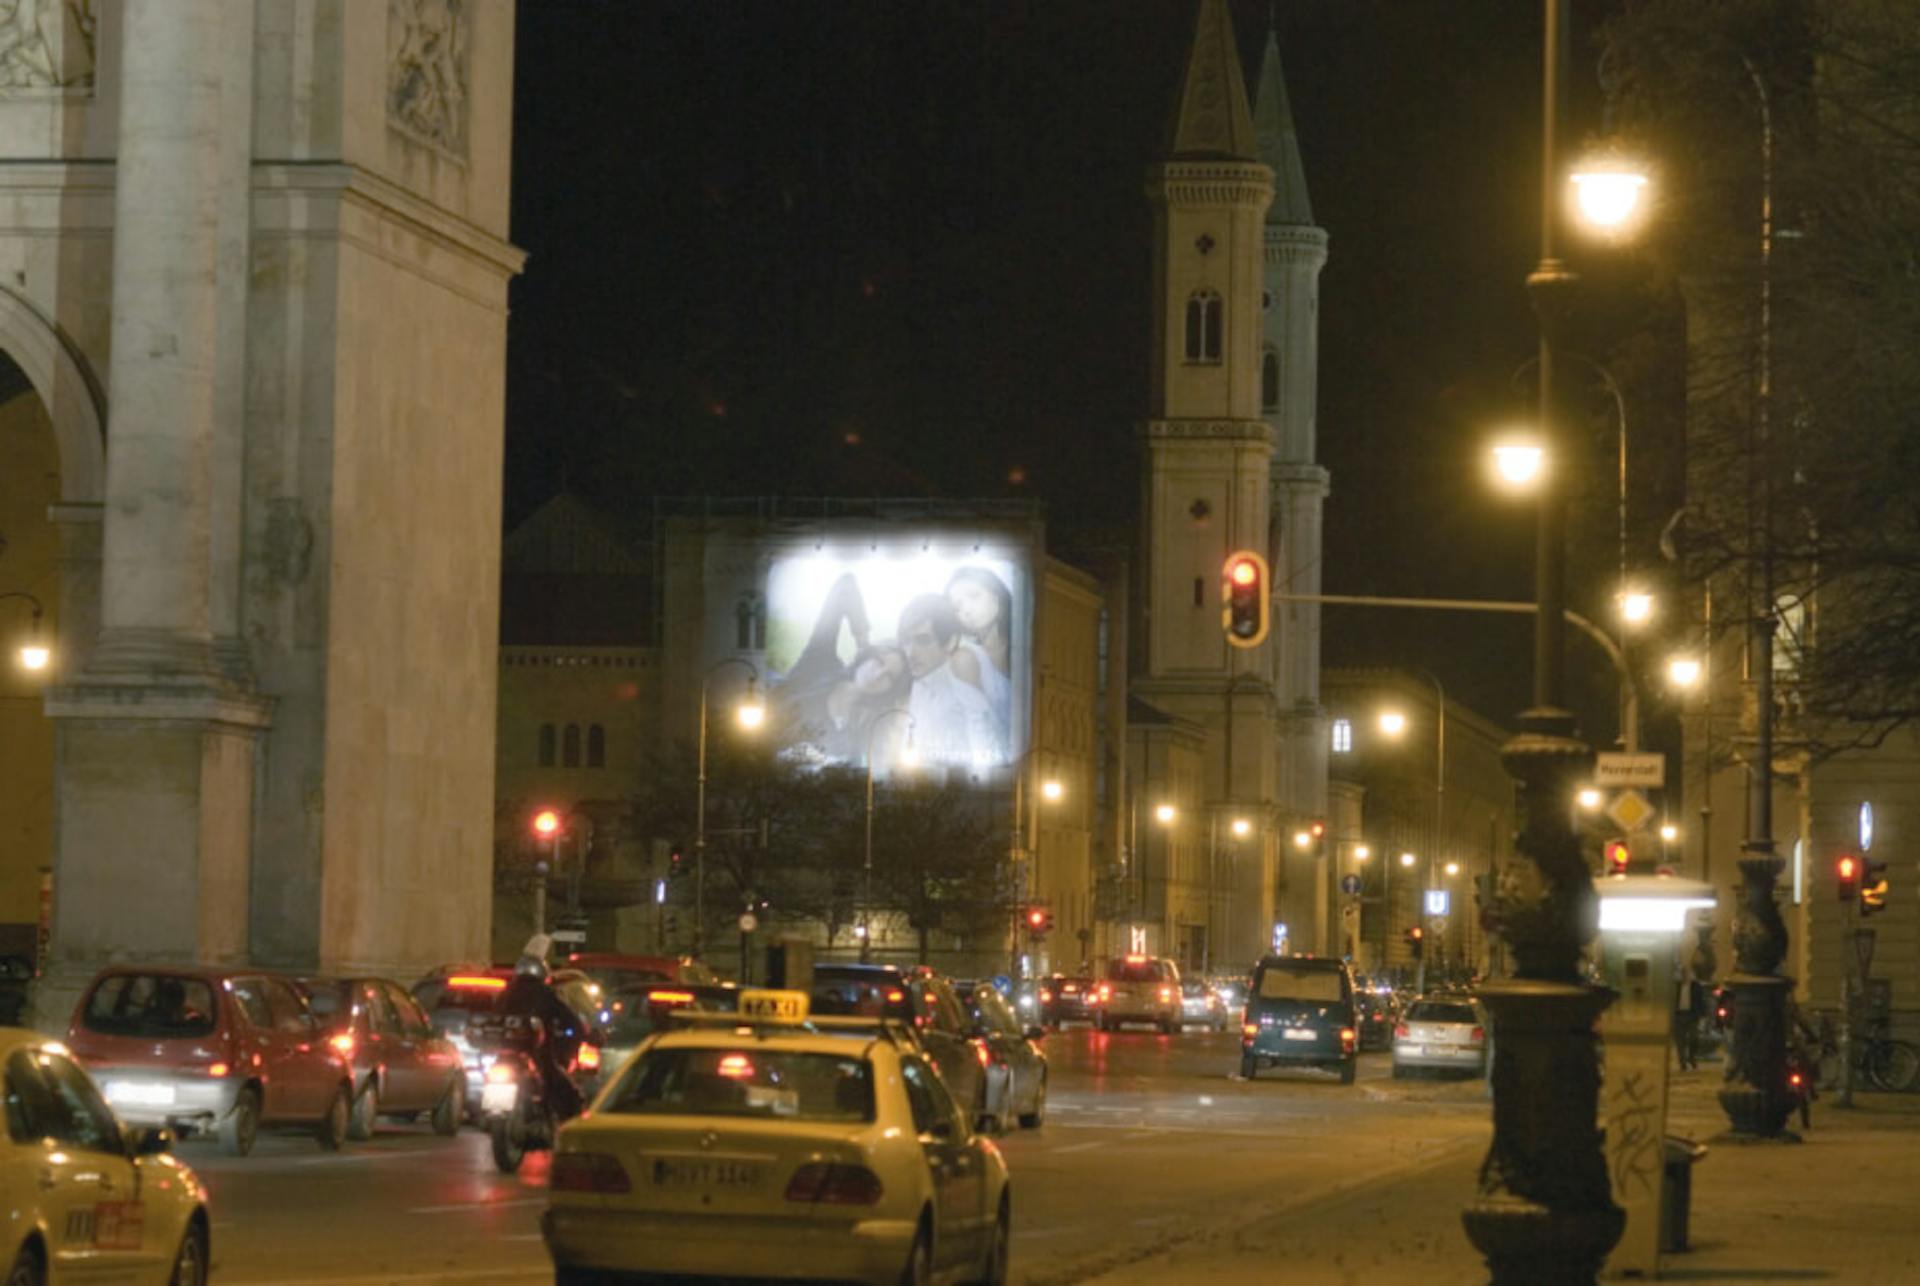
[1203, 327]
[596, 746]
[750, 623]
[547, 739]
[1270, 379]
[1343, 736]
[570, 747]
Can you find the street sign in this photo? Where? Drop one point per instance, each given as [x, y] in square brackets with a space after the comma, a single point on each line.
[749, 922]
[1437, 901]
[1645, 768]
[1350, 885]
[1631, 811]
[569, 937]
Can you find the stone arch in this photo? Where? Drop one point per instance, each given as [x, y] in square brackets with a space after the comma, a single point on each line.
[67, 388]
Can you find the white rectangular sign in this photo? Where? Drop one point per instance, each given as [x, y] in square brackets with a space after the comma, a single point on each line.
[1437, 900]
[1611, 768]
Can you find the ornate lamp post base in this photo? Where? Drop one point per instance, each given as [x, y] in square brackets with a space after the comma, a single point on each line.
[1545, 1215]
[1755, 1098]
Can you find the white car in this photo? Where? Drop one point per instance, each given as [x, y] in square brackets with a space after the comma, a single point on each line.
[91, 1199]
[778, 1145]
[1441, 1033]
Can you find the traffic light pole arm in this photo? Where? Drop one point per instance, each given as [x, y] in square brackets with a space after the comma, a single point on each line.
[1630, 722]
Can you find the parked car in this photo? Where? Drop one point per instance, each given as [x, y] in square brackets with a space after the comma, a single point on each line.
[90, 1198]
[401, 1066]
[1200, 1006]
[1064, 999]
[1300, 1013]
[1011, 1045]
[1375, 1013]
[1441, 1033]
[926, 1000]
[207, 1051]
[1138, 989]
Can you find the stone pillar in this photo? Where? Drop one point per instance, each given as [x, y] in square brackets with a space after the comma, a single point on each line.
[156, 558]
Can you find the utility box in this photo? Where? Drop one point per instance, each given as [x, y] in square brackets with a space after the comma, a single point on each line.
[1642, 924]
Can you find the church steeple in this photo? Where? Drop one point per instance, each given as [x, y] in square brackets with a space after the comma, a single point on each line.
[1213, 121]
[1279, 144]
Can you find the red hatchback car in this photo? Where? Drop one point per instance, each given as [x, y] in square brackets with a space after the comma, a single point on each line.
[207, 1051]
[401, 1066]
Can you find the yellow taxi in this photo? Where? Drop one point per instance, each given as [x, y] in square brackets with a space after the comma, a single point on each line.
[84, 1197]
[777, 1144]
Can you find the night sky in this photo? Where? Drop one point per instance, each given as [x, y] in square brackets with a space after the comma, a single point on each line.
[878, 247]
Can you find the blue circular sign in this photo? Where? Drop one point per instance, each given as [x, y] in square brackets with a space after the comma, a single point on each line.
[1002, 984]
[1350, 885]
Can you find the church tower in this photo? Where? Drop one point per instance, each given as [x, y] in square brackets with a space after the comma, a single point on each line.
[1295, 251]
[1209, 483]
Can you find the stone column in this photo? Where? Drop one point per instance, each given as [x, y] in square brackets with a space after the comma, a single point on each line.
[158, 539]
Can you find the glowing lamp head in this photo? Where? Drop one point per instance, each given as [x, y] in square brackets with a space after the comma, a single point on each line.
[1608, 199]
[1361, 852]
[1393, 722]
[1302, 840]
[1165, 813]
[1669, 832]
[34, 656]
[1588, 799]
[1242, 828]
[1519, 463]
[1407, 859]
[1052, 790]
[1636, 606]
[1683, 671]
[546, 823]
[1453, 868]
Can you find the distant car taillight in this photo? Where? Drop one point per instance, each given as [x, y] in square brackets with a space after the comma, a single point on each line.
[218, 1070]
[1399, 1031]
[1347, 1037]
[343, 1043]
[1247, 1032]
[984, 1054]
[1106, 992]
[1166, 993]
[828, 1183]
[500, 1073]
[589, 1059]
[1479, 1036]
[1045, 995]
[588, 1172]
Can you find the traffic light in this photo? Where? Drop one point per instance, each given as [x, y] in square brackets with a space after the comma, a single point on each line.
[1847, 877]
[546, 823]
[676, 861]
[1873, 888]
[1039, 921]
[1416, 940]
[1318, 829]
[1618, 856]
[1243, 597]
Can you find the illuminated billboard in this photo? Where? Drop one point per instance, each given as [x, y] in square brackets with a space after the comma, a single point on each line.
[912, 650]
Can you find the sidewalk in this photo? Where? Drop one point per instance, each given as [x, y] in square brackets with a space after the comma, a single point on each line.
[1842, 1206]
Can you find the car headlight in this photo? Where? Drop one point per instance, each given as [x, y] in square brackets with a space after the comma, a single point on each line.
[1026, 1002]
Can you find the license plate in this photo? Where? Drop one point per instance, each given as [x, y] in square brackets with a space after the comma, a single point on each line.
[1294, 1033]
[725, 1175]
[139, 1094]
[495, 1098]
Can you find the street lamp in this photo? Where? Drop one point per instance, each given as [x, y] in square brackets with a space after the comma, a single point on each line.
[750, 714]
[1608, 198]
[866, 910]
[1164, 814]
[546, 825]
[1589, 799]
[1408, 859]
[1545, 1209]
[1519, 465]
[1453, 869]
[34, 655]
[1636, 606]
[1392, 722]
[1361, 852]
[1683, 671]
[1052, 790]
[1241, 828]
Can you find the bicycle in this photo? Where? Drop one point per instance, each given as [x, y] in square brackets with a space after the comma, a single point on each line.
[1879, 1059]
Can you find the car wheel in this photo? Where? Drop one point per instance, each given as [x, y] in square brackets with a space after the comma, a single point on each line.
[919, 1269]
[27, 1269]
[993, 1269]
[1031, 1120]
[190, 1262]
[365, 1109]
[242, 1125]
[1347, 1071]
[331, 1130]
[452, 1109]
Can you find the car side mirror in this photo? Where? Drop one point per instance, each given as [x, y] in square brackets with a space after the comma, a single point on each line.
[152, 1141]
[1036, 1032]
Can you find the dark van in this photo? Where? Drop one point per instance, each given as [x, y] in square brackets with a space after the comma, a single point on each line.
[1300, 1013]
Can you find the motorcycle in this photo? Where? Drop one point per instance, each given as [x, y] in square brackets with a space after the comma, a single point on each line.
[514, 1103]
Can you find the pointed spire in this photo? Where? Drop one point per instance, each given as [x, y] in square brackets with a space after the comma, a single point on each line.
[1214, 120]
[1279, 144]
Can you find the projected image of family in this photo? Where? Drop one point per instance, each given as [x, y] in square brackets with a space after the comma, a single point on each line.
[912, 658]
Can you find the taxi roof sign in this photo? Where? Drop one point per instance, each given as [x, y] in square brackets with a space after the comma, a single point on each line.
[769, 1006]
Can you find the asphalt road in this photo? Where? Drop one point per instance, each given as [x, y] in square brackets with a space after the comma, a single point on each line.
[1151, 1148]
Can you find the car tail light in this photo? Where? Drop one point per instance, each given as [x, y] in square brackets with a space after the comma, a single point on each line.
[1248, 1031]
[831, 1184]
[589, 1058]
[1478, 1036]
[1166, 993]
[737, 1066]
[481, 983]
[984, 1054]
[1793, 1079]
[1045, 995]
[342, 1042]
[588, 1172]
[218, 1070]
[1070, 989]
[500, 1074]
[670, 997]
[1399, 1031]
[895, 995]
[1347, 1037]
[1106, 992]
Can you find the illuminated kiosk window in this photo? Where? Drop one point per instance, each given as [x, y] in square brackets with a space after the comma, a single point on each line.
[1649, 903]
[1342, 736]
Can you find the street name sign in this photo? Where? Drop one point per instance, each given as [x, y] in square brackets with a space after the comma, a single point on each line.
[1437, 900]
[1612, 769]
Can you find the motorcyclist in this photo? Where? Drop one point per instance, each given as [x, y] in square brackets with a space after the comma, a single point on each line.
[530, 995]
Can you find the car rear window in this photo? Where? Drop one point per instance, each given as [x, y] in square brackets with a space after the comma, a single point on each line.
[479, 996]
[869, 996]
[151, 1006]
[1135, 971]
[752, 1081]
[1438, 1011]
[1299, 982]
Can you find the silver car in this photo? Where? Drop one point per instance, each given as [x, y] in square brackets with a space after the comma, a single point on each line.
[1441, 1033]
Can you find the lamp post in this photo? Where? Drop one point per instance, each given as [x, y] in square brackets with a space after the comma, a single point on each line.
[546, 825]
[866, 897]
[1026, 839]
[750, 714]
[33, 654]
[1434, 851]
[1545, 1210]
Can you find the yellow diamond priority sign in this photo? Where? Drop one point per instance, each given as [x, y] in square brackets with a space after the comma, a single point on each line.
[1630, 811]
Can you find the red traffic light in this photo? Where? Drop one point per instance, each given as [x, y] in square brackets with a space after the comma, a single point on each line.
[1849, 868]
[1619, 856]
[1416, 933]
[546, 823]
[1317, 828]
[1243, 594]
[1036, 917]
[1244, 573]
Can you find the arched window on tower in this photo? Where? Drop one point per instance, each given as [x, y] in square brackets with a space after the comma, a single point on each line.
[1269, 380]
[750, 623]
[570, 747]
[547, 739]
[1203, 327]
[596, 746]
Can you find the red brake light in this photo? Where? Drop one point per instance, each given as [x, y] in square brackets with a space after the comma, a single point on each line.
[1347, 1037]
[1166, 993]
[589, 1058]
[481, 983]
[1136, 959]
[500, 1074]
[1399, 1031]
[737, 1066]
[1045, 995]
[218, 1070]
[1478, 1036]
[1793, 1079]
[343, 1042]
[983, 1053]
[588, 1172]
[670, 997]
[895, 995]
[835, 1185]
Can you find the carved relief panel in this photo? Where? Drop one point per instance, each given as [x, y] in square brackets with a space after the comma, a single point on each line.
[427, 70]
[46, 45]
